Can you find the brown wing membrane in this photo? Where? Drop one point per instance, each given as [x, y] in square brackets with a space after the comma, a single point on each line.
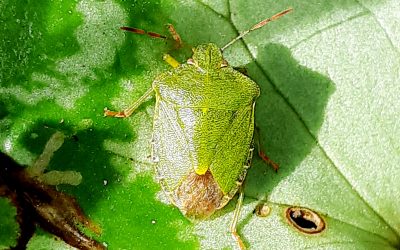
[198, 196]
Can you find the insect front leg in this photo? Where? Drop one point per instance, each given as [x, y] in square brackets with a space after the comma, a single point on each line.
[128, 111]
[175, 35]
[236, 215]
[261, 153]
[171, 61]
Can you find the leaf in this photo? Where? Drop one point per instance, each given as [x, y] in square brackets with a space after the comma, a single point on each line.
[9, 226]
[328, 114]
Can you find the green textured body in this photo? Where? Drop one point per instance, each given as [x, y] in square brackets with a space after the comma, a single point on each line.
[203, 131]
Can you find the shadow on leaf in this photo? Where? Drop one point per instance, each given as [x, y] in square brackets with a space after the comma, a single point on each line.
[289, 115]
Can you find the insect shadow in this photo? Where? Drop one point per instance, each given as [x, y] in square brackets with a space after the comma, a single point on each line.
[289, 113]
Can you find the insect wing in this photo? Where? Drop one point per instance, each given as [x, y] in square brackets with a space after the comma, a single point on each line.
[232, 152]
[170, 149]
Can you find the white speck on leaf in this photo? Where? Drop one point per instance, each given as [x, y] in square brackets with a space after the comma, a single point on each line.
[8, 145]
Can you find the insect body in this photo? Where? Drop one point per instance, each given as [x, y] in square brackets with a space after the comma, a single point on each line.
[203, 129]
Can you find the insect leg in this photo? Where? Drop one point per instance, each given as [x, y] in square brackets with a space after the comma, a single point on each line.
[233, 226]
[261, 153]
[175, 35]
[127, 112]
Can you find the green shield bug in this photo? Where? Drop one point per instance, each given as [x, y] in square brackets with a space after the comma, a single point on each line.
[203, 128]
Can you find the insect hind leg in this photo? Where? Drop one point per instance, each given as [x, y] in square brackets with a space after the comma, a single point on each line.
[233, 227]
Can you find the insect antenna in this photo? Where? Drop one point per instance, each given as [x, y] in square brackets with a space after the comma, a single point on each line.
[143, 32]
[175, 36]
[257, 26]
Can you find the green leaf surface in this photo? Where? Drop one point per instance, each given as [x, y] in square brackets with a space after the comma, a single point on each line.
[328, 114]
[9, 227]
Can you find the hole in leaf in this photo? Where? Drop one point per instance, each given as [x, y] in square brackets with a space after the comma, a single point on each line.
[305, 220]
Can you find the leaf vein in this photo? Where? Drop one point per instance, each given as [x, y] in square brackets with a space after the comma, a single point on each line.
[387, 36]
[215, 11]
[344, 222]
[331, 26]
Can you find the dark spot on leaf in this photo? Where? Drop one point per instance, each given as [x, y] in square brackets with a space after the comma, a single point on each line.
[305, 220]
[75, 138]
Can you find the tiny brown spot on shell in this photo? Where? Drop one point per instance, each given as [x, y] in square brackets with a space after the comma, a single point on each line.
[262, 210]
[305, 220]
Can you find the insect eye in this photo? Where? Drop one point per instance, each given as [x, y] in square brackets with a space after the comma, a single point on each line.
[191, 61]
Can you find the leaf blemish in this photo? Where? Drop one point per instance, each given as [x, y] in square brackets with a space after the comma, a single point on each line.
[305, 220]
[262, 210]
